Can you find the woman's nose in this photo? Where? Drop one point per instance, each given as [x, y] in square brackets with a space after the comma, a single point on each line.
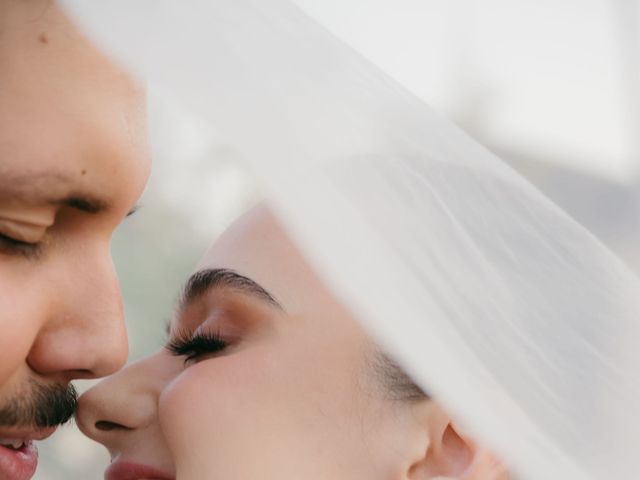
[125, 402]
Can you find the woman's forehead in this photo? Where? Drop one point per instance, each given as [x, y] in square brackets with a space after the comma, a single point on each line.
[258, 247]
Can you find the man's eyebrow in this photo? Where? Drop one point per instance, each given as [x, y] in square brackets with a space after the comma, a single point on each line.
[205, 280]
[82, 202]
[50, 188]
[133, 210]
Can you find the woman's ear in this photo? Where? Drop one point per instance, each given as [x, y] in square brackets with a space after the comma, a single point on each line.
[452, 455]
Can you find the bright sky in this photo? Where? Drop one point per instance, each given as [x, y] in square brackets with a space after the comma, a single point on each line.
[544, 77]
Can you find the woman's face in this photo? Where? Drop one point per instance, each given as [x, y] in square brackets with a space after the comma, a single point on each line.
[273, 380]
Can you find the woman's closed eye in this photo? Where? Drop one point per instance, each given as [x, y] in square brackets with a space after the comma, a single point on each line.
[197, 346]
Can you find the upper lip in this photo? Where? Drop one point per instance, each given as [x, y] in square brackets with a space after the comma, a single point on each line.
[133, 471]
[27, 435]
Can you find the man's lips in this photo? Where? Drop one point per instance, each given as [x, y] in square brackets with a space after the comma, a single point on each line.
[20, 462]
[133, 471]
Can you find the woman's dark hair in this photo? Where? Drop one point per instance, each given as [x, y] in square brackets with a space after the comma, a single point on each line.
[397, 384]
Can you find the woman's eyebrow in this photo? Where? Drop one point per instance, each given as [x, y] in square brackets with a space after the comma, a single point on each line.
[204, 280]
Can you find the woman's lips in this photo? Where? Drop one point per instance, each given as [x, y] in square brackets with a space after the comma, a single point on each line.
[134, 471]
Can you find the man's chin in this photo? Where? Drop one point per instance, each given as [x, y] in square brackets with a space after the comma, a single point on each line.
[19, 453]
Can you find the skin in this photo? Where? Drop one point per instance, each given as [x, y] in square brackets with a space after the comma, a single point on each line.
[294, 395]
[73, 162]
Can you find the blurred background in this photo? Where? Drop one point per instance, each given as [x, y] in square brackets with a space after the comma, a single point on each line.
[551, 86]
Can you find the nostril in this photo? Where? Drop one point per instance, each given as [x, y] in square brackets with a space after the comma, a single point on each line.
[106, 426]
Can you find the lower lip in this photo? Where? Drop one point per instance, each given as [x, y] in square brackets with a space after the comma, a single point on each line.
[133, 471]
[18, 464]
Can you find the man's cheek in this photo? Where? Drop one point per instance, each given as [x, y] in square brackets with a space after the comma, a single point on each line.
[18, 328]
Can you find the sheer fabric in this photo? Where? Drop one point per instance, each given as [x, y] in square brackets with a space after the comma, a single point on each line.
[501, 306]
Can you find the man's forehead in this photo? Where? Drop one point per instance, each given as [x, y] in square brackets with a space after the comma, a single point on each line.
[24, 179]
[72, 123]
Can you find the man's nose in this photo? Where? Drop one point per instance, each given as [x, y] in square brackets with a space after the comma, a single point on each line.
[83, 334]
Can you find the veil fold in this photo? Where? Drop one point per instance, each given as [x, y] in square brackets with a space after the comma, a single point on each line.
[497, 303]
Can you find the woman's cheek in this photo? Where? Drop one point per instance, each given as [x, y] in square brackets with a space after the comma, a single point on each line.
[214, 415]
[186, 413]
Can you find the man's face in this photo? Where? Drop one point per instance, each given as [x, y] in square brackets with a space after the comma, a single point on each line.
[73, 161]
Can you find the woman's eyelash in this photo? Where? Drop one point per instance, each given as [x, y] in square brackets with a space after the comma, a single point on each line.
[16, 247]
[194, 346]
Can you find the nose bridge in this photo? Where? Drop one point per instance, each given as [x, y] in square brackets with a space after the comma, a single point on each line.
[84, 333]
[94, 295]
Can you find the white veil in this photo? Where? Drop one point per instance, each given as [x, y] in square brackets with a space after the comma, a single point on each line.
[517, 319]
